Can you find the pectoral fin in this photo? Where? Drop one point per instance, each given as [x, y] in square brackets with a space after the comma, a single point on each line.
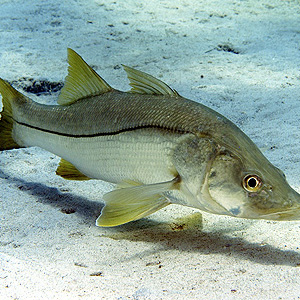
[132, 203]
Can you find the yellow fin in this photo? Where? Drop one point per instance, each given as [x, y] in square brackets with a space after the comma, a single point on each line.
[82, 81]
[128, 183]
[132, 203]
[143, 83]
[67, 171]
[9, 94]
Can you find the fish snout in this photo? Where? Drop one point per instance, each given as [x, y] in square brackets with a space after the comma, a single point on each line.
[289, 210]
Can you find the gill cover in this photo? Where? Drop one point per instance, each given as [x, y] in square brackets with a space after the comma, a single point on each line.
[224, 183]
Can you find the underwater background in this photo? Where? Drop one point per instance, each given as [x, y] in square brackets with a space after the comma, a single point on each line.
[241, 58]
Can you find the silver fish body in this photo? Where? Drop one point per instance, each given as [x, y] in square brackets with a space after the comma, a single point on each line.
[159, 147]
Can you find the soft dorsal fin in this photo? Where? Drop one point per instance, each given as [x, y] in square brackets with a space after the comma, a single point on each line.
[67, 171]
[82, 81]
[143, 83]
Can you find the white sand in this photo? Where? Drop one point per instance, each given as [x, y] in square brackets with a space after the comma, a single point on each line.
[173, 254]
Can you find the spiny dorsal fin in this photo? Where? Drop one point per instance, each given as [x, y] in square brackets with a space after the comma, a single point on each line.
[82, 81]
[67, 171]
[143, 83]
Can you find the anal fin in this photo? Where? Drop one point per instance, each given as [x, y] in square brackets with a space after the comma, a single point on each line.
[68, 171]
[132, 203]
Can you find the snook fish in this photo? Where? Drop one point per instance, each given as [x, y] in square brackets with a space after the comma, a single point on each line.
[159, 147]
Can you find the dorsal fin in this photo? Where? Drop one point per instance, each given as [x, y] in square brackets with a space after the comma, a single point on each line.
[82, 81]
[143, 83]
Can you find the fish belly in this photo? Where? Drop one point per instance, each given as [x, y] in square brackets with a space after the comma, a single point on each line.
[142, 155]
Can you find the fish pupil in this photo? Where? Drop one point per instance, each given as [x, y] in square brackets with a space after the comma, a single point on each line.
[252, 182]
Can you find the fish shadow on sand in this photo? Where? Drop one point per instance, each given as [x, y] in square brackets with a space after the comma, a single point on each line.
[65, 201]
[185, 234]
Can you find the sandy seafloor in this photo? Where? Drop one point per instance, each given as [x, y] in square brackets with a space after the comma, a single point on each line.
[241, 58]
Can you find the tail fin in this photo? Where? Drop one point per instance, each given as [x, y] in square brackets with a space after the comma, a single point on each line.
[9, 94]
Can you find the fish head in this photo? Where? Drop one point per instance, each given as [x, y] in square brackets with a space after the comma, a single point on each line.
[247, 185]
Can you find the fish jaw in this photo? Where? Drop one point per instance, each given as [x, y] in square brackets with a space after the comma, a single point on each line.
[289, 211]
[271, 204]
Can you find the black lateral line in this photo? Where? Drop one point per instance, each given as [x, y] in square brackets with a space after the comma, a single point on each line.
[101, 133]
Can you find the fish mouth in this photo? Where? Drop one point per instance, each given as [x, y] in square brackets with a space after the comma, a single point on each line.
[286, 207]
[290, 214]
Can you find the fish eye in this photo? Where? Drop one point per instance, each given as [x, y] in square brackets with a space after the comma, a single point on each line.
[252, 183]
